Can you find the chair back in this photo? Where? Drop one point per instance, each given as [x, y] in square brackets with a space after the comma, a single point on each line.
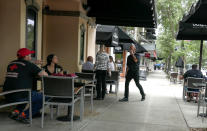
[114, 76]
[142, 73]
[86, 76]
[88, 71]
[54, 86]
[191, 80]
[174, 74]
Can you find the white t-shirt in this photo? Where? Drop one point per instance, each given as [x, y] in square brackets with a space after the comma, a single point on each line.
[111, 66]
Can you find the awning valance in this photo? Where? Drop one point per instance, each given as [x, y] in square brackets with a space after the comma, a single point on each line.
[197, 13]
[188, 31]
[139, 48]
[136, 13]
[107, 35]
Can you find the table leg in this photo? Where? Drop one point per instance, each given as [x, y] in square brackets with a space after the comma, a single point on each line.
[68, 116]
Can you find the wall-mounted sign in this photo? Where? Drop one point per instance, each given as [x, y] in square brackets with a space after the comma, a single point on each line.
[118, 50]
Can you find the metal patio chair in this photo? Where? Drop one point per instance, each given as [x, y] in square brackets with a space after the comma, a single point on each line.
[142, 75]
[89, 86]
[173, 77]
[202, 100]
[114, 80]
[189, 85]
[60, 91]
[3, 103]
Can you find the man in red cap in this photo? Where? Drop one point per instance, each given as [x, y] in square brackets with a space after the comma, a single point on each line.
[20, 75]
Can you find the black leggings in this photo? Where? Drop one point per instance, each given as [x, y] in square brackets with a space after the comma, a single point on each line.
[101, 83]
[129, 77]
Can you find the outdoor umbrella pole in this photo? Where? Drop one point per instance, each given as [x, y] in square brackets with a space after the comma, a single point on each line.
[201, 55]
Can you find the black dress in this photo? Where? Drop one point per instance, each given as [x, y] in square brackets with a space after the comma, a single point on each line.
[56, 70]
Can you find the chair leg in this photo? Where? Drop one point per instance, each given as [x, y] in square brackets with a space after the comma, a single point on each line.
[184, 93]
[43, 111]
[206, 108]
[203, 111]
[95, 92]
[72, 112]
[198, 111]
[82, 106]
[51, 112]
[92, 100]
[30, 108]
[57, 110]
[116, 89]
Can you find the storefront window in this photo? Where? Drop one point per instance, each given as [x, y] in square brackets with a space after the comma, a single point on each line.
[31, 30]
[82, 43]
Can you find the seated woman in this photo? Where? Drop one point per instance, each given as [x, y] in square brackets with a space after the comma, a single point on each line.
[52, 66]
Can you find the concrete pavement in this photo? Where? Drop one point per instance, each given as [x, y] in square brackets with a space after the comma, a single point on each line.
[163, 110]
[159, 112]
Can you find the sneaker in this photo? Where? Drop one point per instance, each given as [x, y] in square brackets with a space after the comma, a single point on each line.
[23, 118]
[123, 99]
[14, 114]
[143, 98]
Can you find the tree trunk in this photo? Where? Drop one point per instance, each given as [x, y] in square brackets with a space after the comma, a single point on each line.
[169, 63]
[166, 66]
[184, 59]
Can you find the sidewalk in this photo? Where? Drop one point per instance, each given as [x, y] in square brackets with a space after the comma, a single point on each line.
[159, 112]
[163, 110]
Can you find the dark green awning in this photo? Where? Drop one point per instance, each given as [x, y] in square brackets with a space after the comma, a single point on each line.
[136, 13]
[188, 31]
[104, 35]
[197, 13]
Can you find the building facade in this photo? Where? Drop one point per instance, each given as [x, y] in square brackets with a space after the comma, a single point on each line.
[59, 27]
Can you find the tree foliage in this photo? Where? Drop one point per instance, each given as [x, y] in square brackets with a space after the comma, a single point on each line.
[170, 12]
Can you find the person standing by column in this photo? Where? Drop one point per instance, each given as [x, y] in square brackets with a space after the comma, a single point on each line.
[132, 72]
[101, 66]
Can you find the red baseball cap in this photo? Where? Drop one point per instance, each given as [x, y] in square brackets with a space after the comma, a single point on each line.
[24, 52]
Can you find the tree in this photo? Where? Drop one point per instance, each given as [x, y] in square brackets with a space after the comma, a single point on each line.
[170, 12]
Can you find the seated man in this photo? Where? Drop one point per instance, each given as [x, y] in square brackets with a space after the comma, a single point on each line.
[88, 65]
[20, 75]
[194, 72]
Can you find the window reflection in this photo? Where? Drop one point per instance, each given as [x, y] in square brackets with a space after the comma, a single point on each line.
[82, 43]
[31, 29]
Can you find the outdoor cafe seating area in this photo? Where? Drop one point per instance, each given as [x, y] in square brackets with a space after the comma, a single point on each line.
[195, 90]
[65, 91]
